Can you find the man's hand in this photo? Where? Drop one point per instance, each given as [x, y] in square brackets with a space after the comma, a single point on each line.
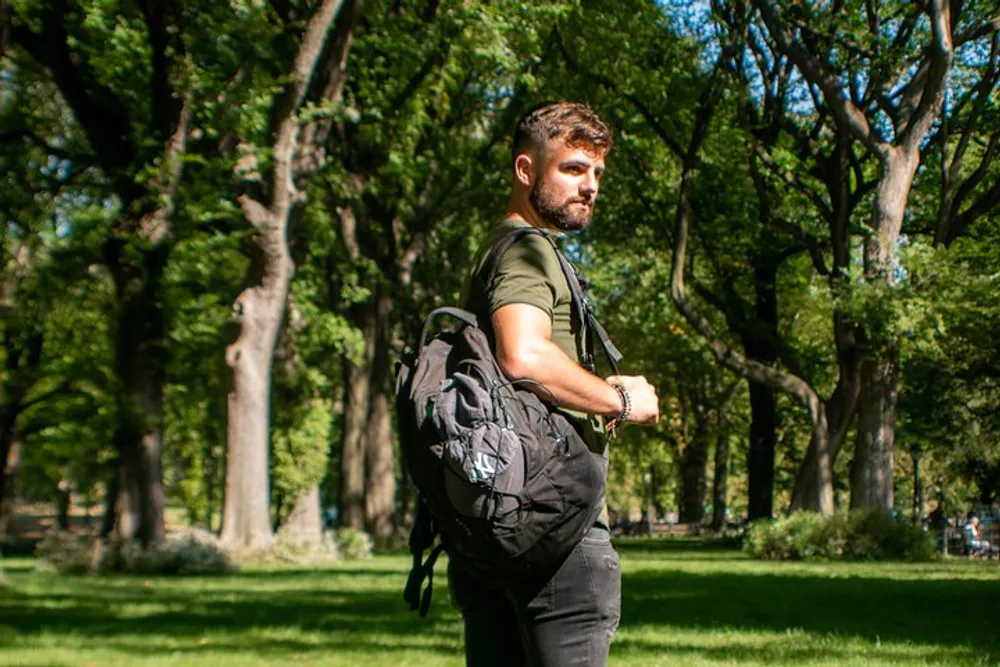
[645, 405]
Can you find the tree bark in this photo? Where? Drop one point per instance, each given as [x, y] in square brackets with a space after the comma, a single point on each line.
[10, 458]
[760, 457]
[720, 349]
[763, 401]
[912, 116]
[136, 508]
[357, 404]
[872, 469]
[720, 481]
[694, 471]
[246, 520]
[380, 482]
[808, 492]
[138, 504]
[303, 523]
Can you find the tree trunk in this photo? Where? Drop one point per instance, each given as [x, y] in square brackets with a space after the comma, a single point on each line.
[246, 521]
[760, 457]
[898, 161]
[694, 484]
[655, 484]
[720, 481]
[64, 503]
[872, 470]
[138, 505]
[808, 492]
[763, 400]
[10, 458]
[380, 482]
[304, 523]
[357, 406]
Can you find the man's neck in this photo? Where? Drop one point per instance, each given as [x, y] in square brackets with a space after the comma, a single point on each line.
[525, 212]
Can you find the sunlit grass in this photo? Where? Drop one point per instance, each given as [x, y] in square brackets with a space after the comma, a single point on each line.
[684, 604]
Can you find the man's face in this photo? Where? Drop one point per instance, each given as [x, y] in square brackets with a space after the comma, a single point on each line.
[566, 187]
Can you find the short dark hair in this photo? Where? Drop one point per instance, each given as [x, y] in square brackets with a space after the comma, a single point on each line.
[576, 123]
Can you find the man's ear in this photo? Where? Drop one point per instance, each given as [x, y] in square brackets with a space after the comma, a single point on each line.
[524, 169]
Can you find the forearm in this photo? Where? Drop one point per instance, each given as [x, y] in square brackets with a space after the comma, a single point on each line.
[564, 380]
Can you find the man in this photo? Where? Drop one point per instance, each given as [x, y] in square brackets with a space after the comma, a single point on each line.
[567, 614]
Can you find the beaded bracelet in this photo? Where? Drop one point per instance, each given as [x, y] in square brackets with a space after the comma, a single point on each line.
[626, 400]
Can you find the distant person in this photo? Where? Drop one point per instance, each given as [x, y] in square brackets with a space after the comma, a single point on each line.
[977, 546]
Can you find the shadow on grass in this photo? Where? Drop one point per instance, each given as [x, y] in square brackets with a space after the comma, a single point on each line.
[955, 613]
[131, 619]
[360, 609]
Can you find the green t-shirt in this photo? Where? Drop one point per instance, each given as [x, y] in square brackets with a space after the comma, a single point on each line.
[529, 273]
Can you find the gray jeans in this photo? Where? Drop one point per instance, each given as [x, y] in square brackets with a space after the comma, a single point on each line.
[564, 616]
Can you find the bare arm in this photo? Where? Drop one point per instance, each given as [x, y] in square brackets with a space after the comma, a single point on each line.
[525, 351]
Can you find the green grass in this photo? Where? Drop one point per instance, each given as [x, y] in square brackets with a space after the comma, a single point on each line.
[683, 604]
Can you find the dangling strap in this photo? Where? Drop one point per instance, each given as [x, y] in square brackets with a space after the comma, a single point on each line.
[421, 538]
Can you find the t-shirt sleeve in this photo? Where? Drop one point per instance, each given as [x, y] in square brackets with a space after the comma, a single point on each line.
[528, 273]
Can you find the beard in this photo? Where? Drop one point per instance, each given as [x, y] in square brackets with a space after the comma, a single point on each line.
[564, 216]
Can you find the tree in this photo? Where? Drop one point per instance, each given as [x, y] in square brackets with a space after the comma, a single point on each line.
[273, 193]
[142, 176]
[889, 111]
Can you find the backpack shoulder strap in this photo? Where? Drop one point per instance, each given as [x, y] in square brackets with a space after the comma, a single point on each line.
[597, 331]
[581, 307]
[491, 264]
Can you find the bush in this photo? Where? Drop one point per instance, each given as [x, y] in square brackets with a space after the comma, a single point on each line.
[291, 549]
[876, 535]
[68, 553]
[353, 543]
[191, 552]
[860, 535]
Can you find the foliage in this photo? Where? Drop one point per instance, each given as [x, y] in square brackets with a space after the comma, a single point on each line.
[190, 552]
[68, 553]
[353, 543]
[294, 550]
[859, 535]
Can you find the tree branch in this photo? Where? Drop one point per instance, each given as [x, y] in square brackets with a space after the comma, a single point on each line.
[938, 65]
[331, 76]
[167, 45]
[285, 130]
[647, 114]
[790, 178]
[820, 75]
[98, 111]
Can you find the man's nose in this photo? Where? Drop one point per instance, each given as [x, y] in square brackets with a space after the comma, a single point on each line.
[589, 186]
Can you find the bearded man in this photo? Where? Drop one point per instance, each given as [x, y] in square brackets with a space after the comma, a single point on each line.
[568, 613]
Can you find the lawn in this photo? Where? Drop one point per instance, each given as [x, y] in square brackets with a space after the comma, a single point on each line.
[684, 604]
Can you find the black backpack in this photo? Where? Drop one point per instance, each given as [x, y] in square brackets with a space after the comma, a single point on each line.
[506, 481]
